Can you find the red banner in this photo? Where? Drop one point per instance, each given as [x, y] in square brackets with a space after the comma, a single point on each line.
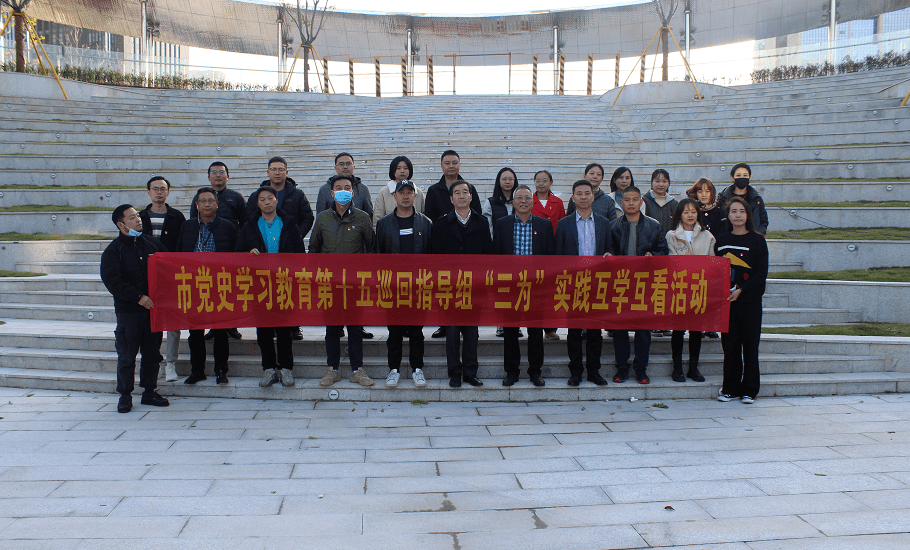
[224, 290]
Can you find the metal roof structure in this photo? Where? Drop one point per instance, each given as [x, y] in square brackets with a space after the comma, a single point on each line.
[251, 27]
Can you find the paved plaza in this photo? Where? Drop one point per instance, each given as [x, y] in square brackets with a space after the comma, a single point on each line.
[785, 473]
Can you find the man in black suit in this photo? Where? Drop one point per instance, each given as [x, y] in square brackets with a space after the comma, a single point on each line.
[522, 234]
[583, 233]
[461, 231]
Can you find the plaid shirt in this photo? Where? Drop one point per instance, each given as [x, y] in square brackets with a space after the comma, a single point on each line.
[205, 242]
[521, 236]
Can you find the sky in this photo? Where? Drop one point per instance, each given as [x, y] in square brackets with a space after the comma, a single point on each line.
[466, 7]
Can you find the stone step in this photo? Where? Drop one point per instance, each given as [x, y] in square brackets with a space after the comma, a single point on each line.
[79, 268]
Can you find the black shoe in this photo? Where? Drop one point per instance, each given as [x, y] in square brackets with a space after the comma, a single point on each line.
[642, 376]
[234, 333]
[296, 334]
[221, 380]
[473, 380]
[584, 333]
[455, 382]
[510, 379]
[597, 378]
[712, 335]
[439, 333]
[154, 400]
[209, 335]
[695, 375]
[537, 381]
[678, 376]
[521, 334]
[365, 335]
[193, 378]
[500, 333]
[125, 404]
[621, 375]
[574, 380]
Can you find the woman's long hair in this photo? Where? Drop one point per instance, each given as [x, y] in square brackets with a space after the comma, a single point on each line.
[677, 216]
[750, 226]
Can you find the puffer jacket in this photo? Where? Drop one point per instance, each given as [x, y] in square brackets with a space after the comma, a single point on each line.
[759, 214]
[702, 242]
[124, 269]
[294, 205]
[650, 238]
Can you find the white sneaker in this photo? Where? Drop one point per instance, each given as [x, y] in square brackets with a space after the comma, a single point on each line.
[725, 397]
[419, 379]
[748, 400]
[269, 377]
[170, 372]
[391, 380]
[287, 379]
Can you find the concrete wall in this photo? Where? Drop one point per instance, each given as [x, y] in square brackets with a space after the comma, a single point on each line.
[834, 255]
[780, 219]
[878, 302]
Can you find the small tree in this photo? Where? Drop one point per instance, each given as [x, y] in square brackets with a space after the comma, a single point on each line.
[305, 18]
[665, 15]
[18, 8]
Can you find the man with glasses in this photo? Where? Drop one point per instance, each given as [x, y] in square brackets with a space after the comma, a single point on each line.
[291, 201]
[163, 222]
[522, 234]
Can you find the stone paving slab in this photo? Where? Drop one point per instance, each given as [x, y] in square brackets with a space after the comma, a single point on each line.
[787, 473]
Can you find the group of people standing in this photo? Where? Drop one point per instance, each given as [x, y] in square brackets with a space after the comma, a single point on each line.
[448, 218]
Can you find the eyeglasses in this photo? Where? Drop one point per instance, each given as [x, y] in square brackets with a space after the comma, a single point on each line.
[158, 189]
[541, 181]
[278, 170]
[206, 201]
[522, 199]
[217, 173]
[344, 164]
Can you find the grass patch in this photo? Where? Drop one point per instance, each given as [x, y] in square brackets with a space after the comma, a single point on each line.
[8, 273]
[829, 180]
[845, 234]
[28, 208]
[859, 329]
[50, 237]
[66, 187]
[876, 274]
[844, 204]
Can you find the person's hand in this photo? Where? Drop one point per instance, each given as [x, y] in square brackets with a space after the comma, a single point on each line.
[255, 252]
[734, 295]
[606, 254]
[146, 302]
[648, 254]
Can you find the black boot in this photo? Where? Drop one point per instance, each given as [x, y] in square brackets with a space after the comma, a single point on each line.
[677, 370]
[693, 372]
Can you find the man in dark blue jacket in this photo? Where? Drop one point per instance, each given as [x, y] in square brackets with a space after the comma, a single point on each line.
[207, 233]
[124, 271]
[634, 234]
[522, 234]
[583, 233]
[231, 204]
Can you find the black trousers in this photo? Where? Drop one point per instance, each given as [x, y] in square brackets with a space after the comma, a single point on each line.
[623, 350]
[196, 340]
[461, 362]
[415, 345]
[285, 356]
[676, 346]
[512, 350]
[594, 348]
[133, 335]
[741, 376]
[333, 346]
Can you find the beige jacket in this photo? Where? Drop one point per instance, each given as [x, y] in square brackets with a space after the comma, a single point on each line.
[384, 203]
[702, 242]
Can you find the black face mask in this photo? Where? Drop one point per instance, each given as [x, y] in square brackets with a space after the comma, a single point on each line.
[741, 183]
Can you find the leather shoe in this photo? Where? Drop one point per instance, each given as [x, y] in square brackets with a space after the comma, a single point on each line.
[193, 378]
[296, 334]
[221, 380]
[455, 382]
[473, 380]
[597, 378]
[154, 399]
[365, 335]
[574, 380]
[439, 333]
[510, 379]
[125, 404]
[537, 381]
[234, 333]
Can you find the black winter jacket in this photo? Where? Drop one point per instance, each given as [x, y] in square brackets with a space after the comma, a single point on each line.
[295, 205]
[649, 234]
[124, 269]
[231, 207]
[224, 234]
[250, 237]
[759, 214]
[387, 235]
[438, 203]
[170, 229]
[450, 237]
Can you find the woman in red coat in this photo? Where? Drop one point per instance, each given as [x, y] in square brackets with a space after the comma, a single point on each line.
[549, 207]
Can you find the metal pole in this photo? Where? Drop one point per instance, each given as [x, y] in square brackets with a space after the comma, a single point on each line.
[510, 73]
[410, 67]
[378, 88]
[351, 73]
[325, 75]
[832, 32]
[404, 76]
[534, 76]
[617, 72]
[590, 73]
[430, 86]
[143, 40]
[642, 68]
[281, 53]
[688, 35]
[454, 56]
[555, 59]
[562, 73]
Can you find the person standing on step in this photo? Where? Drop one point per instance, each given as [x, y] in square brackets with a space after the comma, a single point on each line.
[634, 234]
[603, 205]
[621, 178]
[124, 272]
[688, 236]
[291, 200]
[500, 205]
[384, 203]
[462, 231]
[523, 234]
[163, 222]
[660, 206]
[583, 233]
[361, 199]
[344, 229]
[231, 208]
[741, 174]
[438, 200]
[549, 206]
[207, 232]
[405, 231]
[714, 217]
[748, 253]
[269, 231]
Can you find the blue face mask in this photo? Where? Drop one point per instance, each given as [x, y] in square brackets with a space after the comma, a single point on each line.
[134, 233]
[343, 197]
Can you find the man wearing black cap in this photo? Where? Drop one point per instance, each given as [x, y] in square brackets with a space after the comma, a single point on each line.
[124, 271]
[405, 231]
